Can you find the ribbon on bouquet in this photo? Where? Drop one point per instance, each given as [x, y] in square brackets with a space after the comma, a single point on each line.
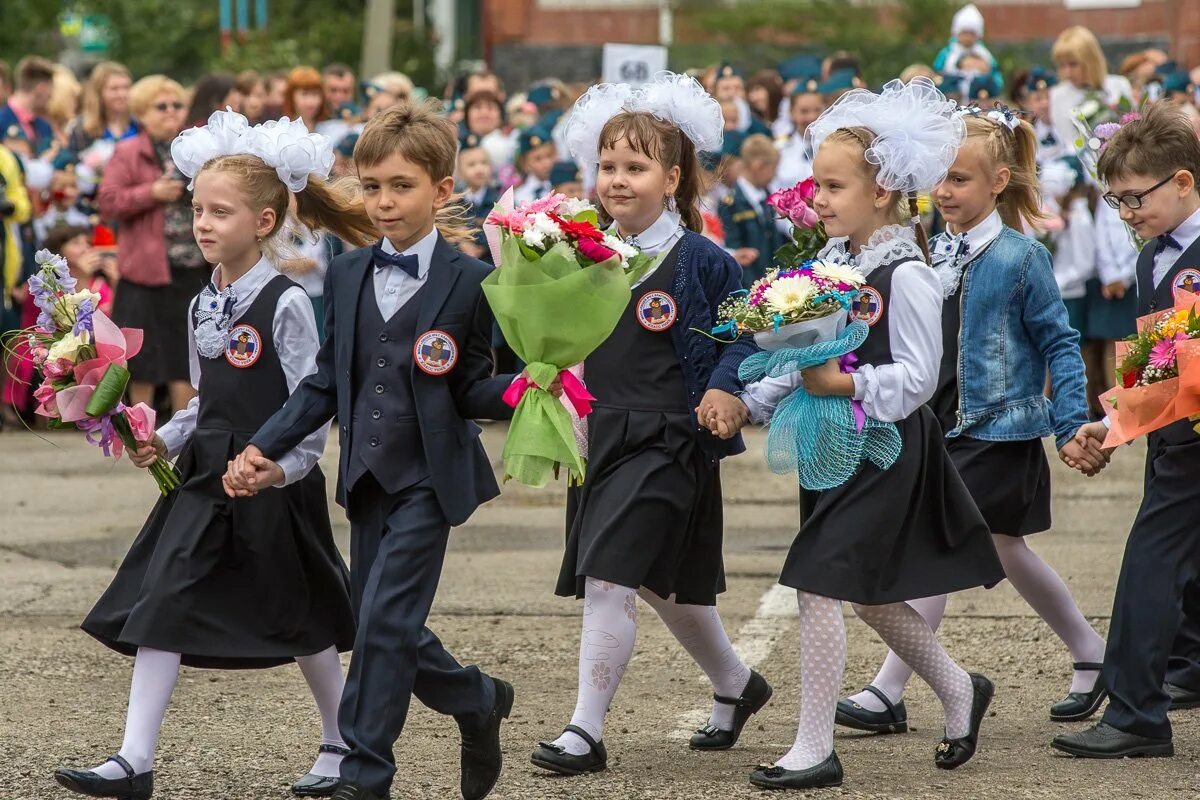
[573, 391]
[846, 364]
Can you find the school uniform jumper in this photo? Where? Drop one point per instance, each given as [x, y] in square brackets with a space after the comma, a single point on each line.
[649, 511]
[234, 583]
[411, 467]
[1161, 567]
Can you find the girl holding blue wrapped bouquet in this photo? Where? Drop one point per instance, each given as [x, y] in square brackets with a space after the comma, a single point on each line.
[1003, 305]
[647, 520]
[911, 530]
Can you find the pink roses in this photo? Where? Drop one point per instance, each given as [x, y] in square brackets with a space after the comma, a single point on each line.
[796, 204]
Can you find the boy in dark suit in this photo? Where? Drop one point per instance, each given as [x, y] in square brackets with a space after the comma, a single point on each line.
[411, 462]
[751, 233]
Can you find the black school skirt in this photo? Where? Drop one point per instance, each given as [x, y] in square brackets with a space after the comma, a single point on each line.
[1010, 482]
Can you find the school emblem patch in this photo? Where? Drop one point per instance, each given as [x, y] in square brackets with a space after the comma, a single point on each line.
[435, 352]
[243, 346]
[656, 311]
[868, 307]
[1186, 280]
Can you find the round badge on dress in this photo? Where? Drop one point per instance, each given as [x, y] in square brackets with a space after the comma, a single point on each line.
[1186, 280]
[435, 352]
[868, 307]
[243, 347]
[656, 311]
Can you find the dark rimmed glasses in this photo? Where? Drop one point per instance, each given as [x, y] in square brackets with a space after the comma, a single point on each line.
[1133, 200]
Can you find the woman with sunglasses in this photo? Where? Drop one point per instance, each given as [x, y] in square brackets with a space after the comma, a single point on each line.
[160, 264]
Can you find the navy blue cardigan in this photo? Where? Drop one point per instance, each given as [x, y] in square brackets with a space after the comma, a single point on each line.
[705, 276]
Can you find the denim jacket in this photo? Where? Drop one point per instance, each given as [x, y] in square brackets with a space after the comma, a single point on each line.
[1013, 326]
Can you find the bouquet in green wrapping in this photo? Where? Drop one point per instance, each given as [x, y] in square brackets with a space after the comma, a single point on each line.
[561, 286]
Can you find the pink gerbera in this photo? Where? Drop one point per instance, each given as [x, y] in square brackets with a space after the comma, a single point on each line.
[1162, 354]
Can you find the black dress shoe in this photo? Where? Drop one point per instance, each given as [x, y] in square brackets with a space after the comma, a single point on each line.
[352, 791]
[754, 697]
[481, 758]
[133, 786]
[1105, 741]
[1182, 697]
[555, 757]
[320, 785]
[893, 719]
[952, 753]
[1078, 706]
[827, 773]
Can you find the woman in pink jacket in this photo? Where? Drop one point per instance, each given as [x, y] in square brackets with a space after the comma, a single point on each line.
[161, 266]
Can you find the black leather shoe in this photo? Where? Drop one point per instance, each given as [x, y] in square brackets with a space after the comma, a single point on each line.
[1104, 741]
[1078, 706]
[352, 791]
[1182, 697]
[827, 773]
[754, 697]
[952, 753]
[133, 786]
[481, 758]
[893, 719]
[555, 757]
[320, 785]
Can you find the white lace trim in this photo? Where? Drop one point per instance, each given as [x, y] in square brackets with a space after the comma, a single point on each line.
[889, 244]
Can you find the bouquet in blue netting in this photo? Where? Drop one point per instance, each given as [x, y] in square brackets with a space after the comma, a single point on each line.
[800, 317]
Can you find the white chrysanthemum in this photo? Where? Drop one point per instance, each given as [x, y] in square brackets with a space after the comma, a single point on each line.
[533, 237]
[572, 206]
[838, 273]
[542, 223]
[789, 294]
[626, 251]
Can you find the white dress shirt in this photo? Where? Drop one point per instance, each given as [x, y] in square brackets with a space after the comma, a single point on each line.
[795, 162]
[1066, 97]
[1075, 251]
[393, 286]
[1116, 254]
[888, 392]
[1186, 235]
[294, 333]
[659, 238]
[532, 189]
[949, 270]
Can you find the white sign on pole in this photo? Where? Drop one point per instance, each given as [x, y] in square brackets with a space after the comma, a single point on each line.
[634, 64]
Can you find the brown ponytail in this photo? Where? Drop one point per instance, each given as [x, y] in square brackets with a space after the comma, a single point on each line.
[922, 236]
[335, 207]
[1020, 203]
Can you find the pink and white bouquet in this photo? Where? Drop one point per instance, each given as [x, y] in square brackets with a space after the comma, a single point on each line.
[82, 357]
[808, 232]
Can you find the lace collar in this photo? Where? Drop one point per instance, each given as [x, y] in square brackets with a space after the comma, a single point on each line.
[215, 308]
[887, 245]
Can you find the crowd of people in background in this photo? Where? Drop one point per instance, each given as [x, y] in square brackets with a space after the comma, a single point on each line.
[85, 170]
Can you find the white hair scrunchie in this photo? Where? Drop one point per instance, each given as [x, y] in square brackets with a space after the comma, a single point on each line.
[284, 145]
[678, 99]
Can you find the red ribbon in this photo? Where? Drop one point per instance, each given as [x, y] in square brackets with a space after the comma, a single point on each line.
[574, 390]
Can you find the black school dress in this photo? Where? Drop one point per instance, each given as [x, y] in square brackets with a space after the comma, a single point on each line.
[232, 583]
[906, 532]
[1009, 481]
[649, 511]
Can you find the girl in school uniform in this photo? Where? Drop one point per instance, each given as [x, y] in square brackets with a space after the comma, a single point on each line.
[253, 582]
[647, 520]
[1005, 327]
[874, 154]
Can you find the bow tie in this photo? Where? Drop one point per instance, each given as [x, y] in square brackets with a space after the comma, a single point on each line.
[1163, 242]
[955, 246]
[408, 263]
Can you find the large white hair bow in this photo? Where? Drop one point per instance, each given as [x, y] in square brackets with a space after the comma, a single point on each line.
[678, 99]
[284, 145]
[917, 131]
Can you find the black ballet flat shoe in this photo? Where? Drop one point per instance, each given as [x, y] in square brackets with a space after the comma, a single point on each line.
[1104, 741]
[827, 773]
[133, 786]
[1078, 706]
[352, 791]
[754, 697]
[893, 719]
[1182, 697]
[320, 785]
[953, 753]
[482, 759]
[555, 757]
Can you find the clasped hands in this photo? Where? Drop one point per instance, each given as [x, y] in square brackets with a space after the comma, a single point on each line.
[1086, 452]
[249, 473]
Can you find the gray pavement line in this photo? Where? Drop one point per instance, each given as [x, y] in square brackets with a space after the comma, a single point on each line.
[754, 642]
[33, 556]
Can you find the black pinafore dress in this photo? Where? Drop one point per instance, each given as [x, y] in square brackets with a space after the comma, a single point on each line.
[898, 534]
[649, 511]
[232, 583]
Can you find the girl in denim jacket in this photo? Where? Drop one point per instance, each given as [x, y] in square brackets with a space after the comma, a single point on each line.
[1004, 325]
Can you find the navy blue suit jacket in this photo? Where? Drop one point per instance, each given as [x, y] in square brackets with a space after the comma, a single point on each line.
[451, 301]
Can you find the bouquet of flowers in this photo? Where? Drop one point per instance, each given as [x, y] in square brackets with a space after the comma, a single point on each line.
[808, 232]
[561, 287]
[1159, 370]
[1095, 130]
[82, 358]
